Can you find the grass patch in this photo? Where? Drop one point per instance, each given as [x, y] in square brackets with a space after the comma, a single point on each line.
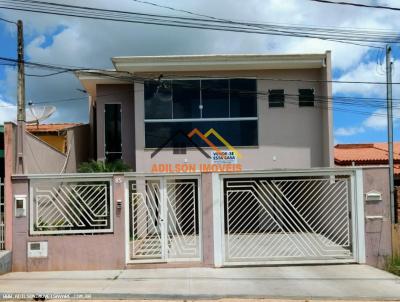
[392, 265]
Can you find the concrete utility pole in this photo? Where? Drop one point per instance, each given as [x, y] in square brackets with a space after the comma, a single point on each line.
[21, 117]
[390, 129]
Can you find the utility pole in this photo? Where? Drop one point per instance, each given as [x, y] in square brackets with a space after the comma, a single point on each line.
[21, 117]
[390, 129]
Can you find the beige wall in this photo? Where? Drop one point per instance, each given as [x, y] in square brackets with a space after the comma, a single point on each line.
[78, 142]
[40, 157]
[377, 217]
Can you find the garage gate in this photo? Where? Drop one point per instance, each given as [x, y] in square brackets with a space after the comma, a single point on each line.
[287, 219]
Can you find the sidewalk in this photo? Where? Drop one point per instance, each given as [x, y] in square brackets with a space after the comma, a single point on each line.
[334, 282]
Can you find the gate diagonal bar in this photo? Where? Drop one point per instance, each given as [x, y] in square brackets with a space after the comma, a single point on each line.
[70, 206]
[293, 218]
[145, 220]
[164, 219]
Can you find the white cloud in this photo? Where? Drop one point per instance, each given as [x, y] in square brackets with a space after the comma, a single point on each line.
[7, 112]
[378, 120]
[350, 131]
[91, 43]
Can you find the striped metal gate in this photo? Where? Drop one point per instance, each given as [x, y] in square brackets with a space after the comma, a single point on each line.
[291, 219]
[164, 219]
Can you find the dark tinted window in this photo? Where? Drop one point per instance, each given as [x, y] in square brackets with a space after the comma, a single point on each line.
[276, 98]
[186, 99]
[237, 133]
[306, 97]
[215, 98]
[243, 98]
[112, 120]
[158, 99]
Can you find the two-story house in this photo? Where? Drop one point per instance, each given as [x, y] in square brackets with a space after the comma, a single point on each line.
[232, 164]
[274, 109]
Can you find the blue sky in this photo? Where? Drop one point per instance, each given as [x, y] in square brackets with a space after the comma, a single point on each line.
[77, 42]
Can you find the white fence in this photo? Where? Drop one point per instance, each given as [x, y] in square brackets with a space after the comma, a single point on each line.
[70, 205]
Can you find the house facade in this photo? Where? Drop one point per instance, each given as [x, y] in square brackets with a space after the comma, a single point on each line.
[232, 164]
[242, 97]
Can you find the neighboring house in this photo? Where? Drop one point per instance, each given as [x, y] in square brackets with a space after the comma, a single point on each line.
[56, 135]
[269, 115]
[370, 154]
[52, 148]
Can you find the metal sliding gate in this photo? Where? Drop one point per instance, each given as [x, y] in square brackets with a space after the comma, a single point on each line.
[164, 219]
[287, 219]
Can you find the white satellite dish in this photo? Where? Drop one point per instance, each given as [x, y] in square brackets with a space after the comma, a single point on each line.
[38, 113]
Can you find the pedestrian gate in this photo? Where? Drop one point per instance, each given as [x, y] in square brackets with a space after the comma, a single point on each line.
[269, 219]
[164, 219]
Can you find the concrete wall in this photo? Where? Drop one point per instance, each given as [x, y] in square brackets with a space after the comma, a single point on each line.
[107, 251]
[41, 157]
[120, 94]
[101, 251]
[377, 217]
[71, 252]
[78, 142]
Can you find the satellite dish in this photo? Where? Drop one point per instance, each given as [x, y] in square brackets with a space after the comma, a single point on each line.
[38, 113]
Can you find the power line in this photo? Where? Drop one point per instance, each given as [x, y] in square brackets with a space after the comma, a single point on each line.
[46, 75]
[358, 4]
[175, 9]
[126, 76]
[336, 35]
[8, 21]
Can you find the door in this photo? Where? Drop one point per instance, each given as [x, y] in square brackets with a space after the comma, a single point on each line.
[164, 219]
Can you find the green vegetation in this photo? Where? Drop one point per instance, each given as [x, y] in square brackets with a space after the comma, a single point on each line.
[392, 265]
[101, 167]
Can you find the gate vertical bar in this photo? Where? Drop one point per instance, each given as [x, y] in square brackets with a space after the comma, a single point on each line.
[218, 222]
[359, 216]
[164, 218]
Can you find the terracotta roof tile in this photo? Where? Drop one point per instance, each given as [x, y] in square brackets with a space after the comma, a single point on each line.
[50, 127]
[366, 154]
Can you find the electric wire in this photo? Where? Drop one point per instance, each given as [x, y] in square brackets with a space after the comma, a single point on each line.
[357, 4]
[336, 35]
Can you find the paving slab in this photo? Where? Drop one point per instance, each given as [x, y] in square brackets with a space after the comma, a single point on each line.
[334, 282]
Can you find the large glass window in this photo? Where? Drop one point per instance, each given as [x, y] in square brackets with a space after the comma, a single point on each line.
[176, 107]
[113, 139]
[237, 133]
[186, 99]
[243, 98]
[215, 98]
[158, 100]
